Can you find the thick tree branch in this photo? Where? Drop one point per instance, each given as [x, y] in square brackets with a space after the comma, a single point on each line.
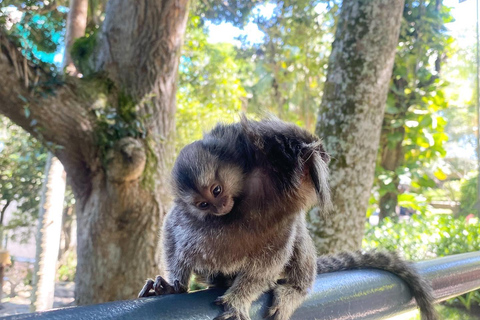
[139, 49]
[136, 35]
[30, 99]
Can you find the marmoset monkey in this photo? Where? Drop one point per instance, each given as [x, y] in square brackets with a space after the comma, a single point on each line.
[239, 219]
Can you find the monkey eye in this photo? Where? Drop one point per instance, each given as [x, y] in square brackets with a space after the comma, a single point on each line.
[217, 190]
[203, 205]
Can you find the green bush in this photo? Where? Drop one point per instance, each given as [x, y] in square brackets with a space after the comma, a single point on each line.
[468, 197]
[67, 267]
[424, 237]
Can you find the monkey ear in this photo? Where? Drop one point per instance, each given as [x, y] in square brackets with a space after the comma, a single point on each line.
[318, 165]
[325, 156]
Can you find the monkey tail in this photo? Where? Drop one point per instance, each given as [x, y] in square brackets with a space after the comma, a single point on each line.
[388, 261]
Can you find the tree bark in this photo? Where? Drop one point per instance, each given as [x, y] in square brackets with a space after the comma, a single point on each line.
[351, 115]
[48, 235]
[136, 57]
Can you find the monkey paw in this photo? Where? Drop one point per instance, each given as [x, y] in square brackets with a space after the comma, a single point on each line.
[231, 312]
[160, 287]
[285, 300]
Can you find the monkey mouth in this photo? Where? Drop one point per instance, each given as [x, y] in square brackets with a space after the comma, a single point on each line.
[219, 214]
[225, 208]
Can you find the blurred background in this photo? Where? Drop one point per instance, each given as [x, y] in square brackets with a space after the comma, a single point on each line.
[256, 57]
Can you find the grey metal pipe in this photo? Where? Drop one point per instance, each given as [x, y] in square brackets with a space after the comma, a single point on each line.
[358, 294]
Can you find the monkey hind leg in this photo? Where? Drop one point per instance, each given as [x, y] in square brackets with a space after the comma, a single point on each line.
[300, 274]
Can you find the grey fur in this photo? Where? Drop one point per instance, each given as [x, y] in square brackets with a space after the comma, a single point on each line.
[252, 236]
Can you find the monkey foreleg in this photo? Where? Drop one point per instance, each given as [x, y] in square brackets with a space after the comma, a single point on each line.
[299, 274]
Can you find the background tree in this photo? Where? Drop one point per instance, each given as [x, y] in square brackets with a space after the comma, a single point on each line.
[351, 114]
[284, 74]
[210, 89]
[48, 235]
[413, 129]
[112, 130]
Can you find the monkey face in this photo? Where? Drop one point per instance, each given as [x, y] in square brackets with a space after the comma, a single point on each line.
[217, 189]
[214, 200]
[206, 185]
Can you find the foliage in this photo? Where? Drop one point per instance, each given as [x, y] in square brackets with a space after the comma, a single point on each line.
[285, 73]
[22, 159]
[413, 134]
[39, 29]
[218, 11]
[461, 72]
[450, 313]
[445, 312]
[67, 267]
[118, 121]
[425, 237]
[468, 197]
[82, 51]
[209, 90]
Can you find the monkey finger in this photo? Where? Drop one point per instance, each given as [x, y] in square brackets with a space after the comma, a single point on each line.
[219, 301]
[145, 292]
[161, 286]
[178, 287]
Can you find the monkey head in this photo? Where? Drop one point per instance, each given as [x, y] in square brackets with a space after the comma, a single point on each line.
[204, 183]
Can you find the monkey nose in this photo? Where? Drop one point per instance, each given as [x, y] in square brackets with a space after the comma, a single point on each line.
[225, 206]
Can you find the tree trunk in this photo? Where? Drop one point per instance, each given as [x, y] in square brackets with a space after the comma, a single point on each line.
[48, 235]
[119, 186]
[388, 203]
[351, 115]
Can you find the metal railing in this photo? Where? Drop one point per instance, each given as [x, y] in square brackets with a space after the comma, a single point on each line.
[356, 294]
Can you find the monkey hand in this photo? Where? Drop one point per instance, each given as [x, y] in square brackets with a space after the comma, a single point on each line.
[231, 312]
[160, 287]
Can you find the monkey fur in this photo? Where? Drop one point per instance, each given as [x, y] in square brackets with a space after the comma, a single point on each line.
[238, 219]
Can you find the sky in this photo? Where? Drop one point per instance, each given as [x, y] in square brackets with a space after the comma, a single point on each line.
[463, 28]
[226, 32]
